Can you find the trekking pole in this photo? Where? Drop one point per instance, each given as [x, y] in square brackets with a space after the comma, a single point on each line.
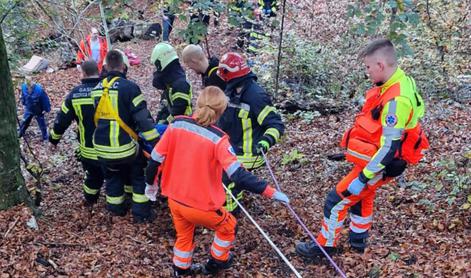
[283, 257]
[332, 262]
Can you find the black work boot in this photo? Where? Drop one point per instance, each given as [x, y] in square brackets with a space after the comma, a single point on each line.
[193, 270]
[358, 245]
[358, 241]
[147, 219]
[311, 250]
[213, 266]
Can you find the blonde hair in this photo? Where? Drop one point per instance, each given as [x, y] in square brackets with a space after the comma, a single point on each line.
[210, 105]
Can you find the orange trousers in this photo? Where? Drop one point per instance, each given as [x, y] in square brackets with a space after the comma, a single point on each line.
[339, 202]
[185, 219]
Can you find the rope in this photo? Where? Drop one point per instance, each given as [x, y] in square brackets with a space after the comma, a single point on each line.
[277, 77]
[263, 234]
[332, 262]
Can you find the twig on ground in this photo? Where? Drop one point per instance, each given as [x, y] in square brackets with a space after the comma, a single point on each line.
[12, 226]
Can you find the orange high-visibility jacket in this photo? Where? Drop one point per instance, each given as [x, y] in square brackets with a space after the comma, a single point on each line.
[85, 51]
[378, 120]
[192, 158]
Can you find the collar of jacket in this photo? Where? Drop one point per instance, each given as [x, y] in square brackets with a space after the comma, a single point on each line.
[397, 75]
[112, 74]
[242, 81]
[172, 72]
[91, 80]
[213, 62]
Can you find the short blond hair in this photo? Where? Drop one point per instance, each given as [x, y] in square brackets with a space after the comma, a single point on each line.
[210, 105]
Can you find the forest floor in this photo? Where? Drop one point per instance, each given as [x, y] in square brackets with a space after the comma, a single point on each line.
[422, 225]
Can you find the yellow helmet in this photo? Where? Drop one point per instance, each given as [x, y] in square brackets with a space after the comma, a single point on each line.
[164, 53]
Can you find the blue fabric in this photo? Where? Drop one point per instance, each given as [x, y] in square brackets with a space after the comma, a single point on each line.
[167, 26]
[147, 146]
[28, 116]
[161, 128]
[35, 102]
[95, 48]
[356, 186]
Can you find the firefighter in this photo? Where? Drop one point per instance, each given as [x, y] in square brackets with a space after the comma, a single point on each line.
[121, 113]
[94, 47]
[78, 106]
[195, 194]
[104, 70]
[36, 103]
[170, 77]
[250, 119]
[384, 139]
[269, 7]
[249, 16]
[193, 57]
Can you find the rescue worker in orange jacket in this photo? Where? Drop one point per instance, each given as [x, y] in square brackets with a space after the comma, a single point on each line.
[195, 194]
[94, 47]
[385, 137]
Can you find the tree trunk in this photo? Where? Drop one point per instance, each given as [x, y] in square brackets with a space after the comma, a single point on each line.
[12, 184]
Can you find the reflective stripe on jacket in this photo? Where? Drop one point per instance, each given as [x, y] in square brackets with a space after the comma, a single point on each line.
[249, 117]
[193, 158]
[390, 111]
[110, 141]
[78, 106]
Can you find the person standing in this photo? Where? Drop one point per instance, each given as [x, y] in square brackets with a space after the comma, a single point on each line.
[195, 194]
[121, 113]
[171, 79]
[250, 120]
[386, 137]
[78, 106]
[94, 47]
[36, 103]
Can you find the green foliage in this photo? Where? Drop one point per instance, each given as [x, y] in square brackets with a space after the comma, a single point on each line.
[17, 26]
[310, 69]
[307, 116]
[195, 30]
[388, 18]
[453, 179]
[394, 256]
[293, 157]
[429, 35]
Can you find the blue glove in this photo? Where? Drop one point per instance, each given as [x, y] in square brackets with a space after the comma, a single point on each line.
[280, 196]
[356, 186]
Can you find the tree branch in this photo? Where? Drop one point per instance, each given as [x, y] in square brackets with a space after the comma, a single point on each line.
[8, 12]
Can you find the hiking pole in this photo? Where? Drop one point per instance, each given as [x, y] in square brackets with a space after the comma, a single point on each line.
[332, 262]
[283, 257]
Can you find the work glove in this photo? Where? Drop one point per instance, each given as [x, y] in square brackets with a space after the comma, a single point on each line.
[151, 192]
[356, 186]
[262, 145]
[281, 197]
[272, 193]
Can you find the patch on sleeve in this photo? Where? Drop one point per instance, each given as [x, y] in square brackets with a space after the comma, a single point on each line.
[391, 120]
[231, 150]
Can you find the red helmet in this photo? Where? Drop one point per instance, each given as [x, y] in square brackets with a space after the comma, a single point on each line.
[232, 65]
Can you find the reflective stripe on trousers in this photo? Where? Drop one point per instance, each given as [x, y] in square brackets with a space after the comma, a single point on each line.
[339, 202]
